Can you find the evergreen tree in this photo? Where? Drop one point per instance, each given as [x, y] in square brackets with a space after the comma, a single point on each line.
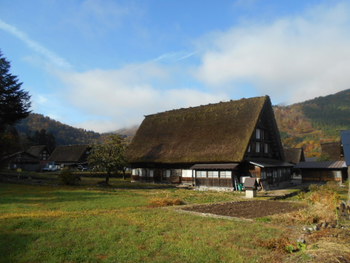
[14, 101]
[43, 137]
[14, 106]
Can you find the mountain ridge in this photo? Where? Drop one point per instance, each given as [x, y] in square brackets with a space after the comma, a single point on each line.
[305, 124]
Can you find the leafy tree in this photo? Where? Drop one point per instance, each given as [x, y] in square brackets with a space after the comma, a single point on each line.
[14, 101]
[109, 156]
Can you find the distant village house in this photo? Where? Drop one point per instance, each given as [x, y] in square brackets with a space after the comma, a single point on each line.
[70, 155]
[33, 159]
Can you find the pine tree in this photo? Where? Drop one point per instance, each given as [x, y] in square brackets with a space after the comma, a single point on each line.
[14, 101]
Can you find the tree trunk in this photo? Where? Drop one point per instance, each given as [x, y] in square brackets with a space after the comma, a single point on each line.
[123, 174]
[107, 177]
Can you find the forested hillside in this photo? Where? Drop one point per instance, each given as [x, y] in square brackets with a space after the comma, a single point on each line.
[312, 122]
[64, 134]
[305, 124]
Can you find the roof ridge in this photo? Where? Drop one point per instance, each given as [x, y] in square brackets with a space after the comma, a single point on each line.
[207, 105]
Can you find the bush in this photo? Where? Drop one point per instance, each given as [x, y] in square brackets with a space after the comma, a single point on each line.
[68, 178]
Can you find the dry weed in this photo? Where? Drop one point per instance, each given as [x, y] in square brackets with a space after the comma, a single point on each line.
[329, 251]
[278, 244]
[160, 202]
[322, 206]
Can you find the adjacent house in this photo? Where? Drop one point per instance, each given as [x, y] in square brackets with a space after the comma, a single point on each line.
[214, 145]
[33, 159]
[333, 169]
[70, 155]
[322, 171]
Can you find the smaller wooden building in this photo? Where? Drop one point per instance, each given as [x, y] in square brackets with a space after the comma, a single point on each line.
[33, 159]
[70, 155]
[323, 171]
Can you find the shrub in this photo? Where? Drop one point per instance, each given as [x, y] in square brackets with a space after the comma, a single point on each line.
[68, 178]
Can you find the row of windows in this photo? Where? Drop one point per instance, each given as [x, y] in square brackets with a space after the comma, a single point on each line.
[259, 147]
[150, 173]
[279, 173]
[213, 174]
[199, 174]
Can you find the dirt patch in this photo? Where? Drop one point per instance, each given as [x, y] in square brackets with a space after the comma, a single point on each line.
[247, 209]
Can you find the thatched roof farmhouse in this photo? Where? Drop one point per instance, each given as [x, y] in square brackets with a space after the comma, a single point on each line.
[223, 142]
[68, 155]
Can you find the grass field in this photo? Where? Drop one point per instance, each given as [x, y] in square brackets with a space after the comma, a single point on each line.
[90, 224]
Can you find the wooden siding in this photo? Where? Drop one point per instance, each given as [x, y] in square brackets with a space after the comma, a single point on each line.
[323, 175]
[214, 182]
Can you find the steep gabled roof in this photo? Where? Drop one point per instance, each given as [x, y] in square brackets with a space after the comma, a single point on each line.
[68, 153]
[36, 150]
[206, 134]
[294, 155]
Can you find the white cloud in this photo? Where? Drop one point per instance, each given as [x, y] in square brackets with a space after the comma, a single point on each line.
[124, 95]
[51, 56]
[294, 58]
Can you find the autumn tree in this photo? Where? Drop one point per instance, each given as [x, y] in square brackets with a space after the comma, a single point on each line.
[109, 156]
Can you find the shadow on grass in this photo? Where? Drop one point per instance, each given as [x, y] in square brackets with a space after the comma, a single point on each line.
[14, 245]
[55, 196]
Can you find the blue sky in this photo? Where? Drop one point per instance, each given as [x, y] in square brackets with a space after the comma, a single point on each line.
[104, 64]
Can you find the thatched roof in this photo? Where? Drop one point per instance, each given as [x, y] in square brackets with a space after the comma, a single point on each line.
[206, 134]
[332, 150]
[69, 154]
[294, 155]
[21, 157]
[36, 150]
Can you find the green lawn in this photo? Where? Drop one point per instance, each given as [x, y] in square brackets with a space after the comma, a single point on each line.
[85, 224]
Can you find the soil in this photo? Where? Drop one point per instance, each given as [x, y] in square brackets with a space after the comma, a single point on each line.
[246, 209]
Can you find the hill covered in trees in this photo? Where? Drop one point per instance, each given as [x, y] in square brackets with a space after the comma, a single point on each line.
[306, 124]
[310, 123]
[64, 134]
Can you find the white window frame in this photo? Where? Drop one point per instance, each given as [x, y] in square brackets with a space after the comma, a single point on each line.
[258, 134]
[201, 174]
[213, 174]
[258, 147]
[225, 174]
[266, 148]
